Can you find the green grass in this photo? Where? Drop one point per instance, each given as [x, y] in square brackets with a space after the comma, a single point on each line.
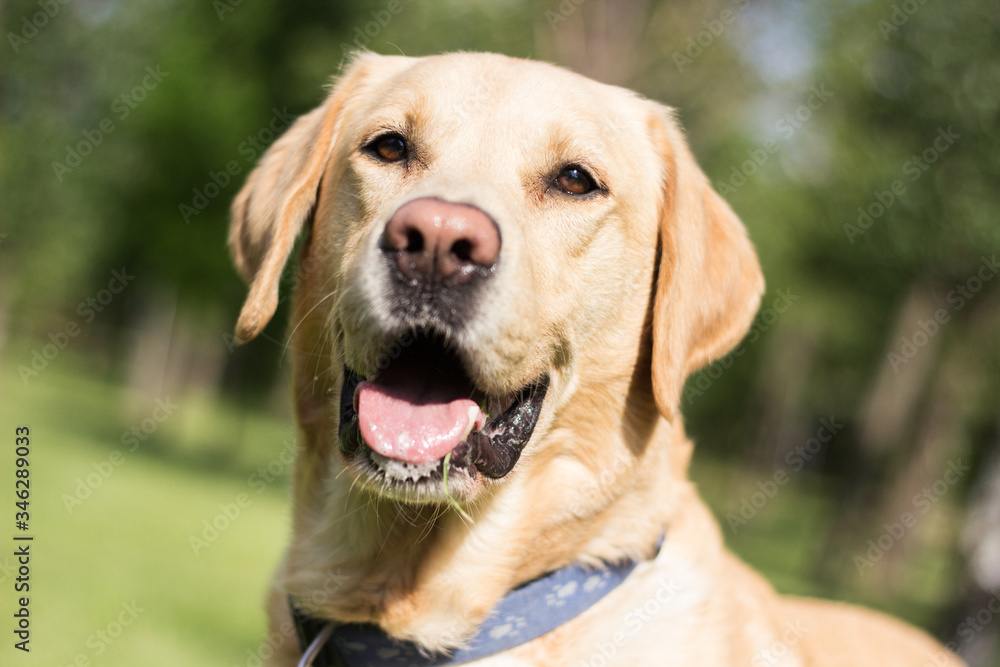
[129, 540]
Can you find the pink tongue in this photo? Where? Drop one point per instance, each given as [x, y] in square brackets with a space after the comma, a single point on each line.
[398, 426]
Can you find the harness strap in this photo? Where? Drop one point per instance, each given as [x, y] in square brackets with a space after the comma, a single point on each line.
[526, 613]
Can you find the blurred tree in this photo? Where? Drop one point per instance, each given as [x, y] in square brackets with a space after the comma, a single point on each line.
[133, 127]
[877, 209]
[857, 141]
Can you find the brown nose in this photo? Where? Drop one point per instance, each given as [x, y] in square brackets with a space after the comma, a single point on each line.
[440, 243]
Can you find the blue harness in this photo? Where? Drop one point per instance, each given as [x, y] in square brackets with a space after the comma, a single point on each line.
[527, 612]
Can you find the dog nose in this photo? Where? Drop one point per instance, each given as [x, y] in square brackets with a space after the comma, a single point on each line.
[441, 243]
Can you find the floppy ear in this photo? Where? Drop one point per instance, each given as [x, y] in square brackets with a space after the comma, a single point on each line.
[278, 198]
[708, 283]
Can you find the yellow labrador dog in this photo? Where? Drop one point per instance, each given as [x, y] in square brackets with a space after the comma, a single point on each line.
[508, 271]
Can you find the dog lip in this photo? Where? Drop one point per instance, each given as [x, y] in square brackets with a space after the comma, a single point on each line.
[496, 448]
[349, 430]
[493, 451]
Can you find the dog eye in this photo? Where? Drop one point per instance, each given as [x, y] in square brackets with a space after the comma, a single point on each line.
[388, 148]
[573, 180]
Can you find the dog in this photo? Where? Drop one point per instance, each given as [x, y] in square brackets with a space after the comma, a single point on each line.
[506, 272]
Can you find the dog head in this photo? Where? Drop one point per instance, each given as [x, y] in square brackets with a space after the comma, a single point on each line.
[505, 262]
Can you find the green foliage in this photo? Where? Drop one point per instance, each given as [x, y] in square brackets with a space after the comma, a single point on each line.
[815, 120]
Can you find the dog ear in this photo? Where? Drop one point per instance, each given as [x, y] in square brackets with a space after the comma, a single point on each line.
[709, 283]
[278, 199]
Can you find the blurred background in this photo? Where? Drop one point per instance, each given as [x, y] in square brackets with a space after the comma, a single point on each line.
[848, 448]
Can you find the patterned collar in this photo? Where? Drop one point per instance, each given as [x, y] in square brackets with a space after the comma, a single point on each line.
[527, 612]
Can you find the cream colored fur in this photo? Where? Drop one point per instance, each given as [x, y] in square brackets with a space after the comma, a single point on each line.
[618, 298]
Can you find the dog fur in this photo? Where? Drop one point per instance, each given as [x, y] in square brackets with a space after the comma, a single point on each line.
[617, 298]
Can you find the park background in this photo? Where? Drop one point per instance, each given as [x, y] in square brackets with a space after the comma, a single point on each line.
[858, 142]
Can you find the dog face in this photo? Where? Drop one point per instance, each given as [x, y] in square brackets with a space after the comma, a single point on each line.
[510, 270]
[491, 241]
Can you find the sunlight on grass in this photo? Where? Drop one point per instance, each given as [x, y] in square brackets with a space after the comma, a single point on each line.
[123, 554]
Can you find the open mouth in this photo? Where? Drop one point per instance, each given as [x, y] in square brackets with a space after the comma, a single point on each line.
[404, 421]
